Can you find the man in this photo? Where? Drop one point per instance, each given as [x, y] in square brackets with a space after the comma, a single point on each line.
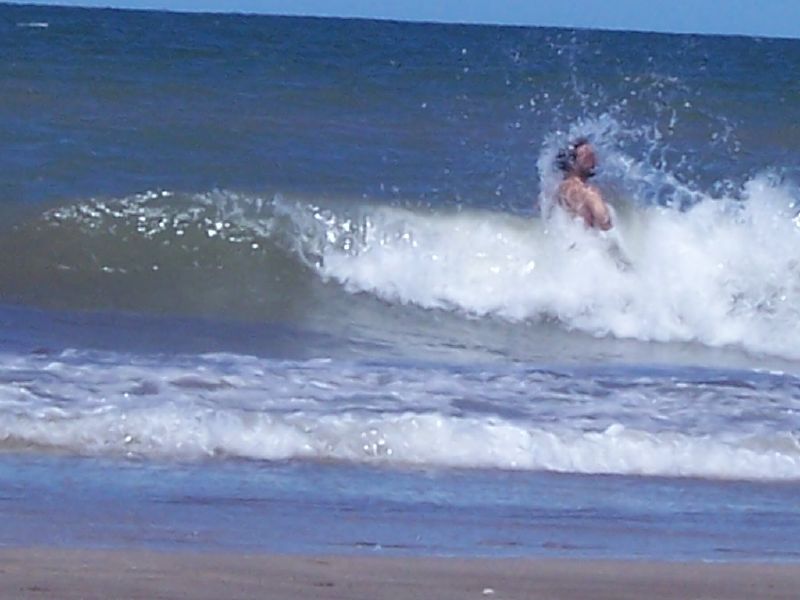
[578, 162]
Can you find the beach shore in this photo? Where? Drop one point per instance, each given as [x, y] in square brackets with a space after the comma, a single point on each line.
[66, 574]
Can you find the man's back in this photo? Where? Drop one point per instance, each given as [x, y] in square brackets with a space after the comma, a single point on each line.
[583, 200]
[579, 163]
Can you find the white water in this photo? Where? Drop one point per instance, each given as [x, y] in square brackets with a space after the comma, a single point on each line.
[724, 272]
[196, 407]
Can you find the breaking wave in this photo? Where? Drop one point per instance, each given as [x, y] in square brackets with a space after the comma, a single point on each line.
[722, 272]
[226, 406]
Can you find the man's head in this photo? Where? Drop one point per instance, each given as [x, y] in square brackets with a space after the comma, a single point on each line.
[577, 159]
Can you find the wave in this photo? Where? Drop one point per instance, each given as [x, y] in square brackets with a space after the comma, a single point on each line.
[720, 271]
[426, 440]
[217, 253]
[232, 406]
[723, 272]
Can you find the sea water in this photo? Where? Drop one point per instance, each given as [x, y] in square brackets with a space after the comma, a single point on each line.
[298, 285]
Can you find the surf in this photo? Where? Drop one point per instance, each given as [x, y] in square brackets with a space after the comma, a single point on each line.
[722, 272]
[225, 406]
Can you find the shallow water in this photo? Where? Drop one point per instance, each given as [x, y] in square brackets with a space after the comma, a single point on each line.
[309, 508]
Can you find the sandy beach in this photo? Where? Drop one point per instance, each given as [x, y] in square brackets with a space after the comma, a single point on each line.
[65, 574]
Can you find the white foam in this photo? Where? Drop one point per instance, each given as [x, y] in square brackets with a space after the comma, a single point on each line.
[196, 407]
[197, 432]
[724, 272]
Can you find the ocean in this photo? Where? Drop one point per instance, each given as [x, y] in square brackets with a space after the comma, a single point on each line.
[298, 285]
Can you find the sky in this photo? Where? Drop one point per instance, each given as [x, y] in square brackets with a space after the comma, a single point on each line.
[766, 18]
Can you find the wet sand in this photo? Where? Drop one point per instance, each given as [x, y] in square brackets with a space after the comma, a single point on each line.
[66, 574]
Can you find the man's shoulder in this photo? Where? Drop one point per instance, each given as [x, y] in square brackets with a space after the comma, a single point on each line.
[576, 187]
[593, 191]
[569, 185]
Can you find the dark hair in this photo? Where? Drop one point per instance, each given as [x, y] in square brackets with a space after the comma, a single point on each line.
[565, 159]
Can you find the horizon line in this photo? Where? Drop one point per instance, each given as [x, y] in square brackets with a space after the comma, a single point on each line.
[411, 20]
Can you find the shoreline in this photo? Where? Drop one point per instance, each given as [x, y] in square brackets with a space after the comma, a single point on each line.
[75, 573]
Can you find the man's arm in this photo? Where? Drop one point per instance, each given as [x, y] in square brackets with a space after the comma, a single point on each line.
[598, 209]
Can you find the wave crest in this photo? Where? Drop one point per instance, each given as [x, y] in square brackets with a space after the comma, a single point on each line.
[720, 272]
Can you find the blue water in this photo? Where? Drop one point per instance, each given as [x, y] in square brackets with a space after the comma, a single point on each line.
[302, 508]
[296, 285]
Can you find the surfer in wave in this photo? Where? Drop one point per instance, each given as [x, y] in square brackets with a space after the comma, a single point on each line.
[579, 163]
